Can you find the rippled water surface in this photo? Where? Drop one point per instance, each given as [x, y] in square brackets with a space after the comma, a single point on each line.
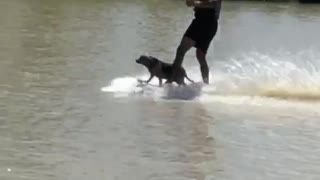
[70, 107]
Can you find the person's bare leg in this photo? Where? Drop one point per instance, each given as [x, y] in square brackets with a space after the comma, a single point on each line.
[201, 56]
[185, 45]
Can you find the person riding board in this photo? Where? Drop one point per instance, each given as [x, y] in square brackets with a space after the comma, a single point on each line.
[199, 34]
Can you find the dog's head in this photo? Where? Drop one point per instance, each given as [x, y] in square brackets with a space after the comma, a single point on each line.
[147, 61]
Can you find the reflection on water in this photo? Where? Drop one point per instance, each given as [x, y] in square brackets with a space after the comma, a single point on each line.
[55, 123]
[174, 141]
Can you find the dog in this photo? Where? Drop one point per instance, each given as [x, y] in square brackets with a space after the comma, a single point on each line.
[162, 70]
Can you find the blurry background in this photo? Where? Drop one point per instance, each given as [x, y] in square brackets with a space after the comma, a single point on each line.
[258, 119]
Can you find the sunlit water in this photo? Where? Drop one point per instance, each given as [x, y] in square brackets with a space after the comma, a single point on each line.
[71, 106]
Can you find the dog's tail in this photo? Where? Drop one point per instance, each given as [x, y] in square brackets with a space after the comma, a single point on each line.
[189, 78]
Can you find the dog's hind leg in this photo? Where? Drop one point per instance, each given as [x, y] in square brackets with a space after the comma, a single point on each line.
[182, 83]
[160, 82]
[168, 81]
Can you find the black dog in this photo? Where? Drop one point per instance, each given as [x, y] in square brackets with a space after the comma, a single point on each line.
[162, 70]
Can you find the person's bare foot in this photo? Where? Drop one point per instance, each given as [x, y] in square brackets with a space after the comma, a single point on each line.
[206, 80]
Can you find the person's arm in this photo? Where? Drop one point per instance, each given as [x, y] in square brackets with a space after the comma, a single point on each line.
[202, 4]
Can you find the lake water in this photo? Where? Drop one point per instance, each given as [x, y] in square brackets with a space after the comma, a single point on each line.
[70, 107]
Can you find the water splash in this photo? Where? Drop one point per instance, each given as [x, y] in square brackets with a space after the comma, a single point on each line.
[129, 86]
[280, 76]
[283, 76]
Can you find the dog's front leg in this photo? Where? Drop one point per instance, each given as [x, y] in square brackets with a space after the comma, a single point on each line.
[147, 81]
[151, 76]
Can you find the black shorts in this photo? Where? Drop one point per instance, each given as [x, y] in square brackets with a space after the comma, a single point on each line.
[202, 32]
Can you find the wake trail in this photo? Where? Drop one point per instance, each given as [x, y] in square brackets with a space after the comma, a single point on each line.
[283, 76]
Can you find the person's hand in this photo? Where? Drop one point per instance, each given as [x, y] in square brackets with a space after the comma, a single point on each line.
[190, 3]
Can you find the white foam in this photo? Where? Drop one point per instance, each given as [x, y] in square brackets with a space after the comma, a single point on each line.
[121, 85]
[190, 92]
[286, 76]
[129, 86]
